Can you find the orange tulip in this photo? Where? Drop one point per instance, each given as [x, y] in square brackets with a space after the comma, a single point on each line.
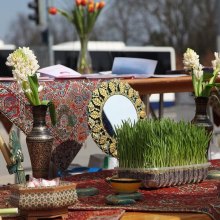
[52, 10]
[78, 2]
[91, 7]
[84, 2]
[101, 4]
[83, 15]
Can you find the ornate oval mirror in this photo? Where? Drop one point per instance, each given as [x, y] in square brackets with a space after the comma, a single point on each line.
[111, 103]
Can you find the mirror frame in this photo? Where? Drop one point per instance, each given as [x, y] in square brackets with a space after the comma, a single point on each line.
[106, 89]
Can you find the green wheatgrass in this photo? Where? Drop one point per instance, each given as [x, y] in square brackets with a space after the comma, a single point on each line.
[153, 143]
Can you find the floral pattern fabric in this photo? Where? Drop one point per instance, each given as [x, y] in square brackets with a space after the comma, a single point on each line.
[70, 97]
[196, 198]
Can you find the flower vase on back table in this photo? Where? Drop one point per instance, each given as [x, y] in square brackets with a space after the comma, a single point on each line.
[40, 142]
[84, 63]
[83, 16]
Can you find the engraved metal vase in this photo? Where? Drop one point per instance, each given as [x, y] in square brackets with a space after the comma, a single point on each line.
[40, 142]
[201, 117]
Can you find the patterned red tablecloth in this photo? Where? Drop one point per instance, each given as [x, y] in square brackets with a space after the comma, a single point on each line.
[215, 164]
[71, 98]
[197, 198]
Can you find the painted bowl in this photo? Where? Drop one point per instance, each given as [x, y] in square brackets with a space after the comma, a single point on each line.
[125, 185]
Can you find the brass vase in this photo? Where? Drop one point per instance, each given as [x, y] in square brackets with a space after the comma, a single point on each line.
[40, 142]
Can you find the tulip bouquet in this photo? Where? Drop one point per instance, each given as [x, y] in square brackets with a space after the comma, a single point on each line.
[25, 66]
[203, 81]
[83, 17]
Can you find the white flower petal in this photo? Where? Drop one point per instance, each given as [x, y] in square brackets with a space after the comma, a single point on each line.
[40, 88]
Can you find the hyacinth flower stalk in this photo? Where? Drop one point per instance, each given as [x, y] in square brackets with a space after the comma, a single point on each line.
[24, 69]
[203, 81]
[83, 17]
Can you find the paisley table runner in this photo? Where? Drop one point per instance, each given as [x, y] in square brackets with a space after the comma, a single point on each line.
[71, 98]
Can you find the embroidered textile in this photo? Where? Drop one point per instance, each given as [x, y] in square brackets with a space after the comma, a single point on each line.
[197, 198]
[70, 97]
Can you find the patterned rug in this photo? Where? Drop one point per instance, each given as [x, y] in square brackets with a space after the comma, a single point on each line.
[215, 164]
[197, 198]
[109, 214]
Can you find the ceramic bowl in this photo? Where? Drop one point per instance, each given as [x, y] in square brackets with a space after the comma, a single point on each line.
[125, 185]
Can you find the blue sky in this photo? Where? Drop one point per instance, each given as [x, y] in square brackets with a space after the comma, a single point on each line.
[8, 11]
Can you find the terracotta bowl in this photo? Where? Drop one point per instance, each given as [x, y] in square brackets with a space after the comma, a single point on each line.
[125, 185]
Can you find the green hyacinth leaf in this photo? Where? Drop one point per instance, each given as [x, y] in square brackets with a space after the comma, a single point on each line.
[52, 113]
[34, 88]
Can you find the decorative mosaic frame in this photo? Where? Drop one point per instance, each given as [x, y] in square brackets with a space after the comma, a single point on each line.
[105, 90]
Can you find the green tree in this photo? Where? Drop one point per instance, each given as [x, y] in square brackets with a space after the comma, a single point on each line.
[185, 23]
[26, 33]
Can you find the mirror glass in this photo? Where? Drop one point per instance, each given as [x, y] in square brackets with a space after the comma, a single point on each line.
[112, 102]
[116, 109]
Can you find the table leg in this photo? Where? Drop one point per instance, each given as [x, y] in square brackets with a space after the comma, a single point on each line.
[149, 110]
[146, 101]
[161, 106]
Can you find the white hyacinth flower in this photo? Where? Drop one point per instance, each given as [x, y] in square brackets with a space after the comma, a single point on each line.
[190, 60]
[198, 72]
[40, 88]
[24, 64]
[202, 84]
[216, 62]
